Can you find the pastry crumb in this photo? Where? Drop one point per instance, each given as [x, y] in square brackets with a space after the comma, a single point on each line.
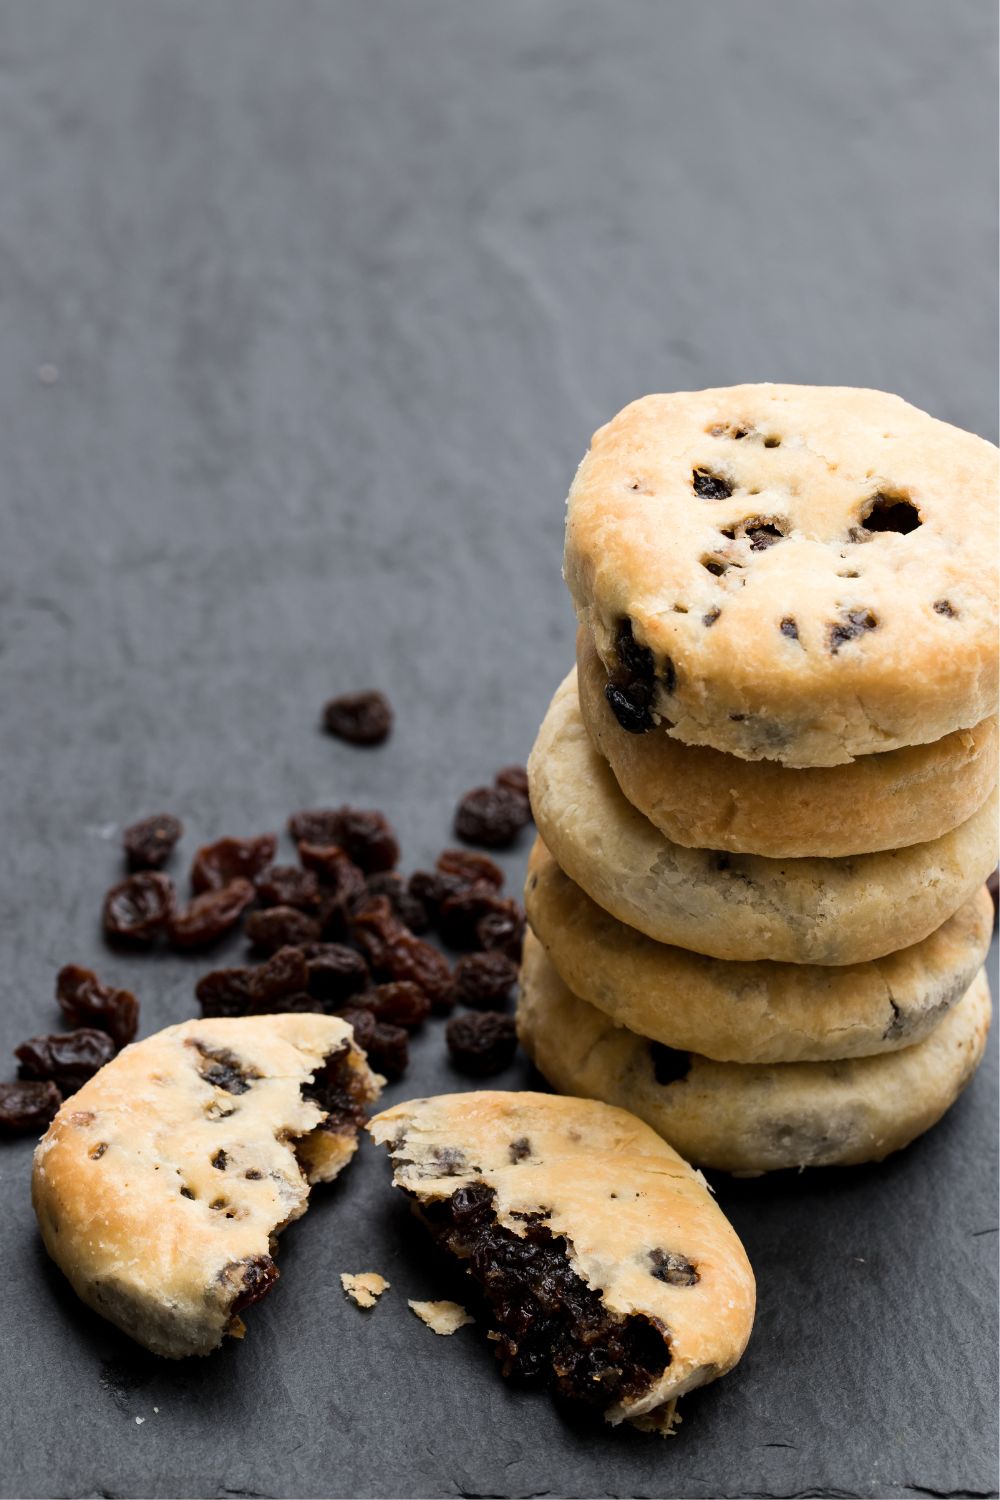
[365, 1288]
[442, 1317]
[665, 1420]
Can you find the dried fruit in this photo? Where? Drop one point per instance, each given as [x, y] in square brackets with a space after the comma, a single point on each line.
[362, 1022]
[471, 869]
[430, 888]
[492, 816]
[388, 1049]
[284, 974]
[503, 932]
[280, 927]
[216, 865]
[369, 839]
[410, 911]
[484, 980]
[26, 1108]
[137, 909]
[513, 779]
[334, 972]
[399, 1003]
[481, 1042]
[86, 1002]
[334, 869]
[208, 917]
[150, 843]
[460, 915]
[287, 885]
[359, 718]
[225, 992]
[67, 1058]
[317, 825]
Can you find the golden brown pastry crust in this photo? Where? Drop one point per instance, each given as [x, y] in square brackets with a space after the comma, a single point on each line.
[752, 1012]
[747, 1118]
[704, 799]
[740, 906]
[614, 1189]
[640, 543]
[158, 1191]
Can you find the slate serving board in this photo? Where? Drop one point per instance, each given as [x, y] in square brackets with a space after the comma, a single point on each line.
[308, 311]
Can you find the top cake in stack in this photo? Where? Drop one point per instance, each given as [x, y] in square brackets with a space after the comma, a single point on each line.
[780, 746]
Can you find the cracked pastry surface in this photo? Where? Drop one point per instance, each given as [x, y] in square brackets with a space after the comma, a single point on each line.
[750, 1118]
[606, 1270]
[813, 570]
[160, 1185]
[752, 1012]
[740, 906]
[704, 799]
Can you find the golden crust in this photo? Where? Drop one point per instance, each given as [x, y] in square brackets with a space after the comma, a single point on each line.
[752, 1012]
[704, 799]
[748, 1118]
[614, 1189]
[741, 906]
[132, 1207]
[638, 538]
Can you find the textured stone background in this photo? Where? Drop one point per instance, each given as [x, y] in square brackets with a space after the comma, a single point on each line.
[336, 294]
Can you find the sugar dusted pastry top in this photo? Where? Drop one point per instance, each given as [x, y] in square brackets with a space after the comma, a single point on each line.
[629, 1207]
[813, 568]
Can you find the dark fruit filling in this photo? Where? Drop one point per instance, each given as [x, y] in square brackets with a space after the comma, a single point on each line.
[552, 1329]
[340, 1090]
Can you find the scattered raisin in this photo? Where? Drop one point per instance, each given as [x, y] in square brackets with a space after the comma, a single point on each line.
[408, 908]
[334, 869]
[216, 865]
[208, 917]
[470, 868]
[86, 1002]
[430, 889]
[317, 825]
[225, 992]
[460, 915]
[484, 980]
[362, 1023]
[139, 907]
[150, 843]
[491, 816]
[410, 959]
[481, 1042]
[287, 885]
[502, 932]
[334, 972]
[359, 718]
[513, 779]
[26, 1108]
[285, 973]
[399, 1003]
[68, 1058]
[374, 926]
[369, 839]
[388, 1049]
[280, 927]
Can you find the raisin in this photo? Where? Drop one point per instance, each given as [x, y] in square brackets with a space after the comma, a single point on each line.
[285, 973]
[481, 1042]
[491, 816]
[484, 980]
[410, 911]
[431, 888]
[388, 1049]
[359, 718]
[287, 885]
[635, 659]
[513, 779]
[318, 825]
[68, 1058]
[208, 917]
[502, 932]
[139, 907]
[334, 869]
[369, 839]
[334, 972]
[854, 623]
[224, 1070]
[280, 927]
[674, 1269]
[399, 1003]
[993, 886]
[26, 1108]
[150, 843]
[85, 1001]
[710, 486]
[257, 1276]
[946, 608]
[216, 865]
[362, 1023]
[790, 628]
[631, 705]
[338, 1088]
[669, 1065]
[411, 960]
[471, 868]
[374, 926]
[460, 915]
[225, 992]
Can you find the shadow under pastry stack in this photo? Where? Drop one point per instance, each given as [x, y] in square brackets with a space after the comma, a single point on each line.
[766, 795]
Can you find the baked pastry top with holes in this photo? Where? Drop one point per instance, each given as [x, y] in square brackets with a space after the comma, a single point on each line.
[160, 1185]
[594, 1254]
[794, 573]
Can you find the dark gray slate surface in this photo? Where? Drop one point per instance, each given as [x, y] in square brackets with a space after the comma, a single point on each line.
[336, 294]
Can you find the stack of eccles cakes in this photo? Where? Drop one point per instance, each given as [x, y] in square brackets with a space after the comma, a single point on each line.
[766, 795]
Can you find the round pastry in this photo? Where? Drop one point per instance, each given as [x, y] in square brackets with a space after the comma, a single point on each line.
[600, 1261]
[740, 906]
[160, 1184]
[752, 1012]
[706, 800]
[747, 1117]
[793, 573]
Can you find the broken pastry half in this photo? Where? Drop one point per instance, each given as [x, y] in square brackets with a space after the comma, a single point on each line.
[161, 1184]
[599, 1261]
